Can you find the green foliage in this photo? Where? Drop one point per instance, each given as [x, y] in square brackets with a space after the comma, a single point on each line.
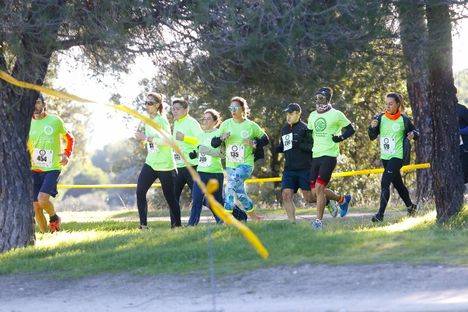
[461, 82]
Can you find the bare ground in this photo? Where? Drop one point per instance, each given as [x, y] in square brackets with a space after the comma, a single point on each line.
[380, 287]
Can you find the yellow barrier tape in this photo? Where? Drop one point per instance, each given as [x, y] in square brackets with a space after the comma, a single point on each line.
[407, 168]
[217, 208]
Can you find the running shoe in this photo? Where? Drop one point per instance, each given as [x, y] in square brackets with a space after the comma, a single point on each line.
[344, 206]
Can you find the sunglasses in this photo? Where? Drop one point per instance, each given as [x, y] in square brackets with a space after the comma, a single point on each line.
[234, 107]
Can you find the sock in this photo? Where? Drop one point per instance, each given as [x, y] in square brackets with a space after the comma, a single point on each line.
[341, 199]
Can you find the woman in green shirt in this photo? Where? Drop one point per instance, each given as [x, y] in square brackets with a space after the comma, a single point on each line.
[395, 130]
[209, 164]
[159, 164]
[244, 141]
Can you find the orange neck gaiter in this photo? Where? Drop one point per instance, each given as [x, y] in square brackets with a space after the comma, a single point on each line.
[394, 116]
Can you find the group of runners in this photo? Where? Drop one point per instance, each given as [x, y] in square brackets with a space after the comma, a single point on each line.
[310, 153]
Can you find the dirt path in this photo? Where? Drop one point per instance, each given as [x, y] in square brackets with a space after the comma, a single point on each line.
[382, 287]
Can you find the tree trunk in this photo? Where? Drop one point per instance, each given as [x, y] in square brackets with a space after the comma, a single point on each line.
[446, 167]
[16, 108]
[413, 32]
[16, 213]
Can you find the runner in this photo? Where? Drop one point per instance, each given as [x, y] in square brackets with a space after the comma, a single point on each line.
[209, 165]
[395, 130]
[159, 164]
[462, 113]
[244, 141]
[186, 131]
[47, 158]
[329, 127]
[296, 144]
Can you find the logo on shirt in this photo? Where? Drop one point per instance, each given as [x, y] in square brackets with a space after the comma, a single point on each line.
[244, 134]
[320, 124]
[48, 130]
[395, 127]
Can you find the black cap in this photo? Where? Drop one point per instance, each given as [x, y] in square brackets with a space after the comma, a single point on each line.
[292, 107]
[326, 92]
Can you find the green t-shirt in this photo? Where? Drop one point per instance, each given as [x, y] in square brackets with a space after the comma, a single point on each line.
[207, 159]
[392, 133]
[160, 156]
[323, 127]
[237, 153]
[190, 128]
[45, 143]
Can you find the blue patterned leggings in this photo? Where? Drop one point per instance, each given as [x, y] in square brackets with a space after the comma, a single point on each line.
[235, 188]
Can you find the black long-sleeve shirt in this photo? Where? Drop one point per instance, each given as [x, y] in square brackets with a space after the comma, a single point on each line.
[296, 144]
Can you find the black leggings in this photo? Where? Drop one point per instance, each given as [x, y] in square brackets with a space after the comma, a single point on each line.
[183, 177]
[392, 175]
[145, 180]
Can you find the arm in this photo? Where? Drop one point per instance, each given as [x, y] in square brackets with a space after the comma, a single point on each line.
[306, 143]
[280, 147]
[70, 143]
[464, 131]
[374, 131]
[411, 129]
[346, 132]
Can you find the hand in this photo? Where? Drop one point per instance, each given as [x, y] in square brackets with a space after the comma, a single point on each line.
[204, 149]
[193, 154]
[410, 135]
[248, 142]
[140, 136]
[179, 136]
[225, 135]
[374, 123]
[64, 160]
[337, 138]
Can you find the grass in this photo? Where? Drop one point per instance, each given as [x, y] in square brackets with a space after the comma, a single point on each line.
[112, 246]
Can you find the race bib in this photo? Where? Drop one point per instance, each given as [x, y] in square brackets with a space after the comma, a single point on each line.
[152, 148]
[287, 141]
[204, 160]
[178, 159]
[387, 145]
[235, 153]
[42, 158]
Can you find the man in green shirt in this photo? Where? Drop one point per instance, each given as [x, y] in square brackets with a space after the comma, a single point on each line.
[186, 132]
[329, 127]
[47, 158]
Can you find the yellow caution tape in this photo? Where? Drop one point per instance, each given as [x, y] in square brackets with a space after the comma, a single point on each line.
[217, 208]
[407, 168]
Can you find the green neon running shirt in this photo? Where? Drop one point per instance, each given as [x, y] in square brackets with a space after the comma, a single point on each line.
[190, 128]
[237, 153]
[209, 163]
[45, 144]
[160, 156]
[323, 127]
[392, 133]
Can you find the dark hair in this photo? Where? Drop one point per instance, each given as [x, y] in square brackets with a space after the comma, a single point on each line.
[243, 103]
[215, 115]
[327, 92]
[158, 97]
[397, 97]
[180, 101]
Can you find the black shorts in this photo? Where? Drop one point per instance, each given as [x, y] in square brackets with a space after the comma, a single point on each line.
[296, 179]
[321, 170]
[45, 182]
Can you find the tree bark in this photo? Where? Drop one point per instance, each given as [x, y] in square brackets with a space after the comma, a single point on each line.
[446, 167]
[16, 108]
[413, 33]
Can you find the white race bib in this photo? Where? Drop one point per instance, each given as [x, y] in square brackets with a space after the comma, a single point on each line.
[42, 158]
[152, 148]
[178, 159]
[387, 145]
[235, 153]
[287, 141]
[204, 160]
